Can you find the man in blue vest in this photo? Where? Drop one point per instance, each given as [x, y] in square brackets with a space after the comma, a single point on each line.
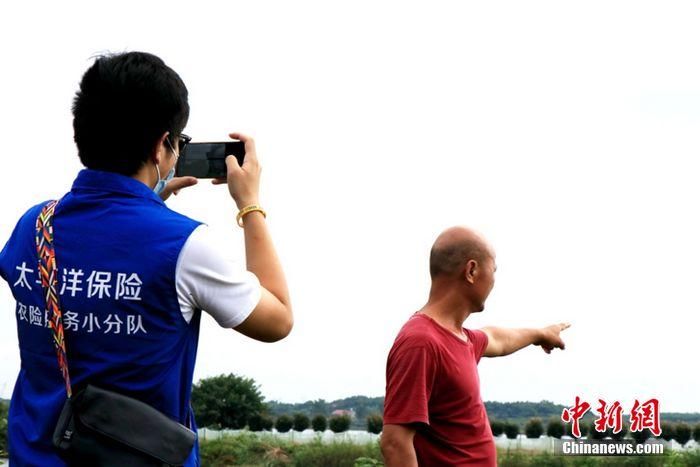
[134, 276]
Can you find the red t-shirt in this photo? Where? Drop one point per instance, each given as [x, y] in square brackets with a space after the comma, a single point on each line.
[432, 382]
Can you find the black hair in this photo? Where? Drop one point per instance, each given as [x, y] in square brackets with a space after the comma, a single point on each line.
[125, 103]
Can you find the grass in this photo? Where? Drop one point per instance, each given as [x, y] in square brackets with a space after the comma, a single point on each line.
[247, 449]
[250, 450]
[522, 458]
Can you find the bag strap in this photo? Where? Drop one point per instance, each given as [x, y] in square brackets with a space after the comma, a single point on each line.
[49, 283]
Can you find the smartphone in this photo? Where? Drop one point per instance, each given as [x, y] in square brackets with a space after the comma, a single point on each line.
[207, 160]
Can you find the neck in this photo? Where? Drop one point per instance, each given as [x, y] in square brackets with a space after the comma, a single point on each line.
[448, 306]
[147, 175]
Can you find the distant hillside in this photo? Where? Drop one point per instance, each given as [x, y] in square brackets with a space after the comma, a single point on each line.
[522, 410]
[518, 412]
[361, 405]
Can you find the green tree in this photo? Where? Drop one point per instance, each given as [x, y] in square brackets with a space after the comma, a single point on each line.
[497, 427]
[696, 433]
[683, 433]
[339, 423]
[555, 428]
[301, 422]
[284, 423]
[375, 423]
[511, 430]
[668, 431]
[640, 436]
[226, 401]
[534, 428]
[319, 423]
[267, 423]
[620, 434]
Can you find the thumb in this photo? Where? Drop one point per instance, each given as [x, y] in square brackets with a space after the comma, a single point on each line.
[232, 164]
[178, 183]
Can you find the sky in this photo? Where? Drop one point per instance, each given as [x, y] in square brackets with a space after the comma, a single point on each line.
[567, 132]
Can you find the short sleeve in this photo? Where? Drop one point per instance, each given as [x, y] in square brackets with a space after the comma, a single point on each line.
[479, 340]
[9, 252]
[410, 376]
[212, 281]
[3, 269]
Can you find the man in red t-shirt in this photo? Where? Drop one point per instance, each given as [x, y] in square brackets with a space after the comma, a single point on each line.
[433, 412]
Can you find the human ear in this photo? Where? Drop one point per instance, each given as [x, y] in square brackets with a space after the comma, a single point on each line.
[159, 150]
[470, 271]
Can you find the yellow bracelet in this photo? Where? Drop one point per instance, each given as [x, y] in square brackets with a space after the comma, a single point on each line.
[248, 210]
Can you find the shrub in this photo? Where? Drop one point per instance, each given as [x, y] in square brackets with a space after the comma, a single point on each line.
[696, 433]
[511, 430]
[3, 435]
[255, 422]
[284, 423]
[668, 431]
[595, 434]
[640, 436]
[534, 428]
[497, 427]
[339, 423]
[619, 435]
[375, 423]
[4, 409]
[319, 423]
[301, 422]
[683, 433]
[267, 423]
[555, 428]
[583, 428]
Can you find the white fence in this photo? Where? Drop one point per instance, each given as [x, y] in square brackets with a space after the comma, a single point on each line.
[544, 443]
[353, 436]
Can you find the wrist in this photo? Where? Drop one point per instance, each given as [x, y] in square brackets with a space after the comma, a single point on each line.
[245, 202]
[539, 335]
[249, 210]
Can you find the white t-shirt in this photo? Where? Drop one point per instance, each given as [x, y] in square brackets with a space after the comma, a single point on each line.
[211, 280]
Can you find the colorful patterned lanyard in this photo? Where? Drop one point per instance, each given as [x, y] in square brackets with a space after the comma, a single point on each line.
[49, 282]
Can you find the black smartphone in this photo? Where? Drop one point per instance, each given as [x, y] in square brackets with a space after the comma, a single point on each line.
[207, 160]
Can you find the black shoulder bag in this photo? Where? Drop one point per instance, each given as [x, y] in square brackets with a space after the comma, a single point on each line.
[99, 427]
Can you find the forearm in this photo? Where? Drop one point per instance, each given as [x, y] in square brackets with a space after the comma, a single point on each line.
[261, 257]
[509, 340]
[399, 455]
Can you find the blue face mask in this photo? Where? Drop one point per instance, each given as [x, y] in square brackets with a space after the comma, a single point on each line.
[160, 185]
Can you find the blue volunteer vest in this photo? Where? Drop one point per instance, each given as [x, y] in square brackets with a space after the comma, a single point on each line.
[117, 247]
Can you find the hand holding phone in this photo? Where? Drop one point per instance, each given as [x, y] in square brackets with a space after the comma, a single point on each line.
[243, 180]
[208, 160]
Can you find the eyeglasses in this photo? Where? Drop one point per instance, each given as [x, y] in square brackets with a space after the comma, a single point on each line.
[183, 141]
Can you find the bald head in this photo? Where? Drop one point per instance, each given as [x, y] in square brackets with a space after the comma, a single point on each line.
[454, 248]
